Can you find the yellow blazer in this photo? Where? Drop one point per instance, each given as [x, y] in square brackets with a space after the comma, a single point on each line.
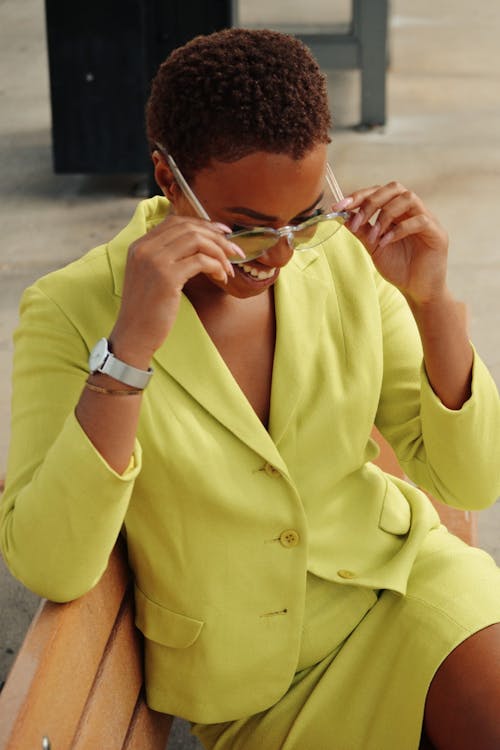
[223, 518]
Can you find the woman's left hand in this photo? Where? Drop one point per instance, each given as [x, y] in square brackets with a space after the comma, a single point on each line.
[406, 242]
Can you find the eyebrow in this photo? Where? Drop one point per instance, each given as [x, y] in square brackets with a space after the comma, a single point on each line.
[242, 210]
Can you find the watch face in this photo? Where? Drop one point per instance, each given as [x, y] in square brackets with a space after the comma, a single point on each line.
[98, 355]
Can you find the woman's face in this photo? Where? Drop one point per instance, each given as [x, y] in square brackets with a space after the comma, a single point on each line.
[259, 190]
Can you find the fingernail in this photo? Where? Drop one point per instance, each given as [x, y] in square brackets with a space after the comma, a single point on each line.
[223, 227]
[230, 269]
[342, 204]
[386, 239]
[356, 221]
[237, 250]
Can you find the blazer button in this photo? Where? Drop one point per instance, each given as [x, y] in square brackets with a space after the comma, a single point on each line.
[271, 471]
[289, 538]
[346, 574]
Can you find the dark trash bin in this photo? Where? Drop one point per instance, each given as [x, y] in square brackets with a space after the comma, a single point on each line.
[102, 56]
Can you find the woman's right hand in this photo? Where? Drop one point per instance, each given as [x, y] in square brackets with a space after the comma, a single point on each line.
[158, 266]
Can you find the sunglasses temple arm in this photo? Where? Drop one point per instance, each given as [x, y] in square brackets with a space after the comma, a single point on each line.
[333, 184]
[195, 203]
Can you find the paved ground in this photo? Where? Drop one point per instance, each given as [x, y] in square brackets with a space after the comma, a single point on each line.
[442, 139]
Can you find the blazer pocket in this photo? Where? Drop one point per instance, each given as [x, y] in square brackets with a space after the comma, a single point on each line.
[395, 516]
[163, 626]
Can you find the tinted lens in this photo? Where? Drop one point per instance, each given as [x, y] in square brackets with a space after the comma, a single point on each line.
[317, 232]
[252, 243]
[311, 233]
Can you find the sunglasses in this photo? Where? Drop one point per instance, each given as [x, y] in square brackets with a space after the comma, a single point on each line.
[254, 241]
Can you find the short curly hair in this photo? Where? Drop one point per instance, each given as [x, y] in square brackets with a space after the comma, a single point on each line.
[236, 91]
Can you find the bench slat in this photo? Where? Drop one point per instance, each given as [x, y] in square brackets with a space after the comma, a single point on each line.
[112, 700]
[51, 678]
[148, 729]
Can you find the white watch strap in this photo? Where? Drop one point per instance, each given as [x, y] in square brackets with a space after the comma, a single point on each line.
[127, 374]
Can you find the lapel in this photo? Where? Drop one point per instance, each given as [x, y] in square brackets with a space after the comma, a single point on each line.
[190, 357]
[300, 303]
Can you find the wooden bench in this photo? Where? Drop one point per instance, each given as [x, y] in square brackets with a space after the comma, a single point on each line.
[77, 679]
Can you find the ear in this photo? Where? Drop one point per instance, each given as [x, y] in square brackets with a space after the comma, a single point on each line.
[164, 177]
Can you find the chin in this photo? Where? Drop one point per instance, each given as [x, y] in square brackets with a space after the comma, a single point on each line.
[244, 286]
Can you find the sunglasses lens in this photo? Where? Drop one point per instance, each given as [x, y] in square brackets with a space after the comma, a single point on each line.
[317, 232]
[311, 233]
[253, 244]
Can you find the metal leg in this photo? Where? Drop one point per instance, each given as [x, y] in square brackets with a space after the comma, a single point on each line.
[370, 27]
[234, 11]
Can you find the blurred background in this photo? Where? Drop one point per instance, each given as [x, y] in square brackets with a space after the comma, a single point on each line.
[441, 137]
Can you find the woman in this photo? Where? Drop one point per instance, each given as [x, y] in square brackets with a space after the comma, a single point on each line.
[291, 594]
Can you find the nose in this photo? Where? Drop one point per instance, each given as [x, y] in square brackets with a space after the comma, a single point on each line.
[278, 255]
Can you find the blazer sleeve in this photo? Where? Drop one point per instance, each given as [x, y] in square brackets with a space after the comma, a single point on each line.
[63, 506]
[454, 455]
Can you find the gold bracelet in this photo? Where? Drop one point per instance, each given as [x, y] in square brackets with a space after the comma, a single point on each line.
[110, 391]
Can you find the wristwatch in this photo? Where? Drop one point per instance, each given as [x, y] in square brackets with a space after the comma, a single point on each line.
[102, 360]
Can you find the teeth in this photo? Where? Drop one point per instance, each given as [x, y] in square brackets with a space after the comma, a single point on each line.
[258, 274]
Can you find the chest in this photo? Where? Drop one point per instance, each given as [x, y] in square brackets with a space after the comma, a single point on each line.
[246, 343]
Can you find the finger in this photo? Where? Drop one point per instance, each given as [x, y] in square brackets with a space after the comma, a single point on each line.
[414, 225]
[183, 241]
[177, 225]
[174, 225]
[356, 198]
[372, 200]
[343, 204]
[193, 265]
[364, 235]
[217, 246]
[217, 238]
[403, 206]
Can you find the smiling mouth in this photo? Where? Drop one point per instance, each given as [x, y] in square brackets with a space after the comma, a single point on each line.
[254, 273]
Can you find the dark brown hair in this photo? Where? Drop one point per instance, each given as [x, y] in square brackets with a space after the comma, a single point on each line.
[228, 94]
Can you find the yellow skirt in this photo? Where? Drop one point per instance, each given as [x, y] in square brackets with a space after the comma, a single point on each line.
[368, 657]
